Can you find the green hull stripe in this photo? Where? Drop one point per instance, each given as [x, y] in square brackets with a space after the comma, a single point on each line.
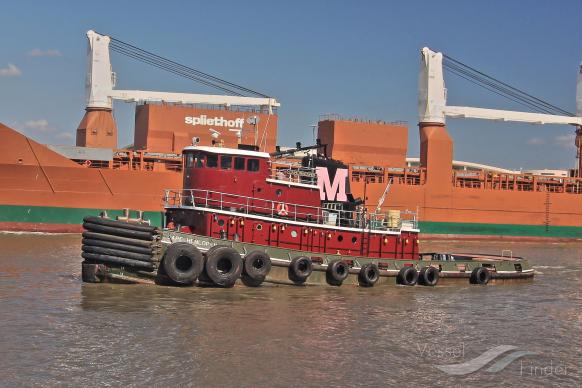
[62, 215]
[466, 228]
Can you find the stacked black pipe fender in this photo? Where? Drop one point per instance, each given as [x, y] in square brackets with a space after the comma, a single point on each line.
[118, 243]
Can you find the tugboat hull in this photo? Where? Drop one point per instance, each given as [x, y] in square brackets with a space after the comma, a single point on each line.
[500, 270]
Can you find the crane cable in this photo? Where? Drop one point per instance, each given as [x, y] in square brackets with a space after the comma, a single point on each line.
[501, 88]
[179, 69]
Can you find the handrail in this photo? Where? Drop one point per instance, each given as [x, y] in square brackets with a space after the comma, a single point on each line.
[197, 198]
[293, 173]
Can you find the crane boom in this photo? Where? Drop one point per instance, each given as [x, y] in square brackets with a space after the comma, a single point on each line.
[508, 115]
[433, 108]
[101, 82]
[432, 100]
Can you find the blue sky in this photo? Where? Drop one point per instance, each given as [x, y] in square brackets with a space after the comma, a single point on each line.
[356, 58]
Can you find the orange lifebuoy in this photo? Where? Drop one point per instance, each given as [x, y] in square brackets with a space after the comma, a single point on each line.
[282, 209]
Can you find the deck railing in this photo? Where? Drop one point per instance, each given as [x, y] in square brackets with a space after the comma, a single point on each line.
[293, 172]
[136, 161]
[208, 199]
[517, 182]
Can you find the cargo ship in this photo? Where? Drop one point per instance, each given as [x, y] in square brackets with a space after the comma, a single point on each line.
[51, 188]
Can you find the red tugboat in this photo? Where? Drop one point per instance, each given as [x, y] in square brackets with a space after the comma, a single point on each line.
[254, 216]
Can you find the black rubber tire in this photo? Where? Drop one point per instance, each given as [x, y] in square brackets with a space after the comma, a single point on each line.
[256, 267]
[407, 276]
[116, 252]
[116, 239]
[120, 224]
[119, 231]
[428, 276]
[114, 245]
[223, 266]
[182, 263]
[203, 277]
[368, 275]
[121, 261]
[300, 269]
[337, 271]
[480, 275]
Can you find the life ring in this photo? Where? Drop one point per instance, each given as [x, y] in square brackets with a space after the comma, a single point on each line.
[88, 163]
[282, 209]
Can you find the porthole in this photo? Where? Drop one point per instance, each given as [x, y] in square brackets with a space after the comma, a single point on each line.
[294, 233]
[354, 240]
[340, 238]
[259, 227]
[220, 222]
[279, 192]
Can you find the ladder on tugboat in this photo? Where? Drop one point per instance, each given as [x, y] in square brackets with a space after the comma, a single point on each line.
[365, 248]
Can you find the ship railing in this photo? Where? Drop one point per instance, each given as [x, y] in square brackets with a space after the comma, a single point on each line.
[136, 161]
[518, 182]
[209, 199]
[411, 176]
[291, 172]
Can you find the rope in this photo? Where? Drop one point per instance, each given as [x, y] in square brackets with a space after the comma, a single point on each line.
[501, 88]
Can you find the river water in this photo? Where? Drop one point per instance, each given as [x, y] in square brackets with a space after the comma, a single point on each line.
[55, 330]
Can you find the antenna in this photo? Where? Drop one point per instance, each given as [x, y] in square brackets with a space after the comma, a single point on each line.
[254, 120]
[237, 132]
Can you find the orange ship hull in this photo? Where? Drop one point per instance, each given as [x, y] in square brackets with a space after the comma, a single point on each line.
[41, 190]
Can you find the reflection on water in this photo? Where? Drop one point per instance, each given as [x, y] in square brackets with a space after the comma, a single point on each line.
[59, 331]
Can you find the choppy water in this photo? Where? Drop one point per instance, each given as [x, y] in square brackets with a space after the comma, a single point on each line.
[55, 330]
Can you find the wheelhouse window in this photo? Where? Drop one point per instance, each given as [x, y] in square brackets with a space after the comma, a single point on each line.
[253, 165]
[239, 163]
[212, 160]
[199, 160]
[194, 160]
[225, 162]
[189, 160]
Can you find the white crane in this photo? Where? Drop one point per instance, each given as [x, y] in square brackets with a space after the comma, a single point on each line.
[432, 100]
[433, 108]
[100, 85]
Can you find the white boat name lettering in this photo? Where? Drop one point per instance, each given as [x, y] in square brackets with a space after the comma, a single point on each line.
[215, 121]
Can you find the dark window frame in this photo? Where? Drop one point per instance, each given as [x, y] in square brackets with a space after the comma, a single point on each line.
[253, 164]
[223, 159]
[237, 165]
[212, 160]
